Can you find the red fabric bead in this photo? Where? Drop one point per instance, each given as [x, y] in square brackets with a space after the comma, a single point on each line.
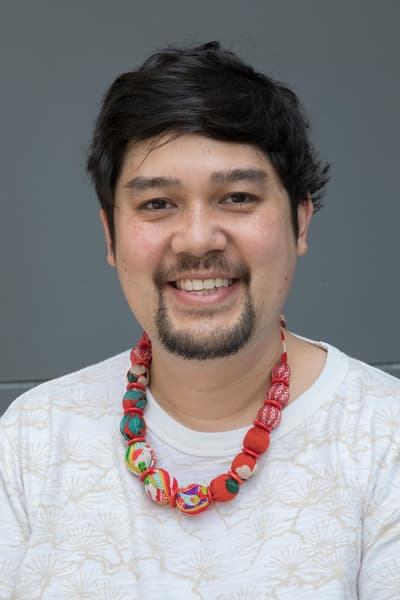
[279, 392]
[257, 440]
[244, 465]
[270, 415]
[224, 488]
[142, 352]
[281, 371]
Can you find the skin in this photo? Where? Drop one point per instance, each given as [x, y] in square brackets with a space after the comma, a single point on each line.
[194, 210]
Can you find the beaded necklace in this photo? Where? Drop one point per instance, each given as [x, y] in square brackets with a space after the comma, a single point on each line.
[159, 485]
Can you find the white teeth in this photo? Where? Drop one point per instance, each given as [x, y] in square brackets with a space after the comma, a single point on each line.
[198, 285]
[202, 284]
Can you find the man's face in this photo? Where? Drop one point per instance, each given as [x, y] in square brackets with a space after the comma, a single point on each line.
[204, 243]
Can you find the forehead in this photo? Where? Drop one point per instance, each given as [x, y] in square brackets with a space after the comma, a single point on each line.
[189, 156]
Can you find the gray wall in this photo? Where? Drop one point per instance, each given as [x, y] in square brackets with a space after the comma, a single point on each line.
[60, 304]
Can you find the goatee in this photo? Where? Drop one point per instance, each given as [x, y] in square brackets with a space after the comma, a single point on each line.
[201, 343]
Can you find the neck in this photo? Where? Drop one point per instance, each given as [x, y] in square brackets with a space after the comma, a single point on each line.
[219, 394]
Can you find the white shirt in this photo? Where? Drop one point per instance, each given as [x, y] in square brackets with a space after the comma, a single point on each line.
[319, 520]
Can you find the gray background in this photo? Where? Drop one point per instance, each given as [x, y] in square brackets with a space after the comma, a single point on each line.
[61, 307]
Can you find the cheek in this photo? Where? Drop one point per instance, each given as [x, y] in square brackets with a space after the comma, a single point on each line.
[271, 242]
[136, 251]
[137, 257]
[272, 252]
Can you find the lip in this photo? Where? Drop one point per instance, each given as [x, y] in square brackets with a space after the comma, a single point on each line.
[213, 297]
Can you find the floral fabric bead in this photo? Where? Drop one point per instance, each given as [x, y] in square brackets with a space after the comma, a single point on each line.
[140, 457]
[244, 465]
[224, 488]
[192, 499]
[160, 486]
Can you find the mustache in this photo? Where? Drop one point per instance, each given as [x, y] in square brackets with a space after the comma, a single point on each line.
[211, 261]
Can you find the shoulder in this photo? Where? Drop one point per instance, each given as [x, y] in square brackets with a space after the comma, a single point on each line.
[41, 425]
[364, 411]
[373, 397]
[57, 423]
[350, 399]
[349, 376]
[90, 389]
[369, 384]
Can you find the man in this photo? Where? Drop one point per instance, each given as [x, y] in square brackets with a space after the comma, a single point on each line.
[252, 463]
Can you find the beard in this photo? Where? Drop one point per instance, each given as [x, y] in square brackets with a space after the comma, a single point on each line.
[202, 343]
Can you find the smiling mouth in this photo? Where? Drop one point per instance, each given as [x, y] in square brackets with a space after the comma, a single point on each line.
[201, 285]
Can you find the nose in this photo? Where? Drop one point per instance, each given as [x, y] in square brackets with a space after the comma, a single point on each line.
[199, 231]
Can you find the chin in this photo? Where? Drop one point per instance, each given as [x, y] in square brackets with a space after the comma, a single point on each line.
[207, 343]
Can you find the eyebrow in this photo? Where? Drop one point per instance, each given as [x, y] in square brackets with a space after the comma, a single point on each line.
[142, 183]
[231, 176]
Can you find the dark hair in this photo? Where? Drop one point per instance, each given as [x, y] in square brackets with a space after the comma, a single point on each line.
[207, 90]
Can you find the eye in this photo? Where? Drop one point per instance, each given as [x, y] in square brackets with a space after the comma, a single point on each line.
[157, 204]
[239, 199]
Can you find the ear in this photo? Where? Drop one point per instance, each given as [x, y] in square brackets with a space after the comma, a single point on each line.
[110, 250]
[304, 213]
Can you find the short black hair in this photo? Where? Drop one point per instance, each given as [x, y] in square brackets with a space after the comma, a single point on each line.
[208, 90]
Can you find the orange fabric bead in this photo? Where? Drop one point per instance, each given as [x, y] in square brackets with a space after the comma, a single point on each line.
[244, 465]
[257, 440]
[223, 488]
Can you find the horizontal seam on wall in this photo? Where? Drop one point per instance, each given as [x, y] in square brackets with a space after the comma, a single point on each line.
[5, 385]
[30, 383]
